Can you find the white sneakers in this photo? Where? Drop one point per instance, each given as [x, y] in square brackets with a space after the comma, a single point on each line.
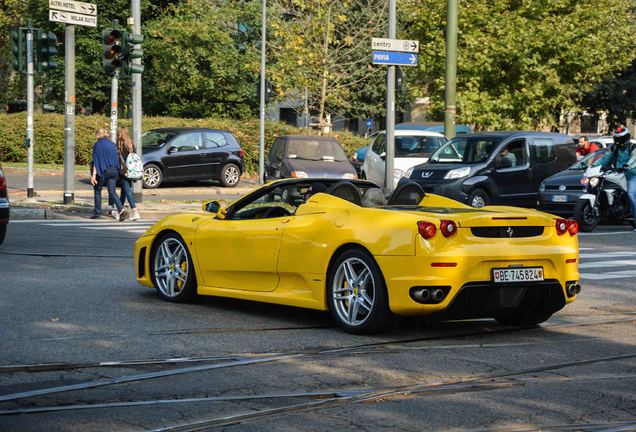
[134, 215]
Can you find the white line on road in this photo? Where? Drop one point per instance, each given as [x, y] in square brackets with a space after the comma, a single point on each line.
[606, 233]
[613, 275]
[598, 255]
[599, 264]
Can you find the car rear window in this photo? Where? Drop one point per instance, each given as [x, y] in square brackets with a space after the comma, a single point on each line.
[315, 150]
[417, 146]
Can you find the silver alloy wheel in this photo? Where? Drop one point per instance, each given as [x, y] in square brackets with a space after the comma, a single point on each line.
[231, 175]
[478, 201]
[353, 291]
[151, 176]
[171, 267]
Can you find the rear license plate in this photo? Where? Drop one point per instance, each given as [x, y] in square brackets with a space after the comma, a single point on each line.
[520, 274]
[559, 198]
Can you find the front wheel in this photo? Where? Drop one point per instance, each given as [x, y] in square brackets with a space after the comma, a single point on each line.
[152, 176]
[172, 270]
[478, 199]
[357, 294]
[230, 175]
[586, 216]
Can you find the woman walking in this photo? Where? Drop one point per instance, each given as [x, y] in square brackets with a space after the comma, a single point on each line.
[125, 147]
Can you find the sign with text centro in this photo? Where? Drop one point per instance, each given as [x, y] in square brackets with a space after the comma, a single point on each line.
[394, 58]
[400, 45]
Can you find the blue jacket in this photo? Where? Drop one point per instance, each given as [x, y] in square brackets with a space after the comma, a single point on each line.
[618, 158]
[105, 155]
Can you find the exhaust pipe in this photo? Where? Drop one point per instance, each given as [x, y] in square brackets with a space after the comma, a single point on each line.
[437, 295]
[573, 289]
[422, 294]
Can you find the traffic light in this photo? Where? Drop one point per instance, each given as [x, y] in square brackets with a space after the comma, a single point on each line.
[112, 50]
[268, 90]
[130, 52]
[18, 49]
[47, 50]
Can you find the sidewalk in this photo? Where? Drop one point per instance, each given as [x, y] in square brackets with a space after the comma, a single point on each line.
[48, 186]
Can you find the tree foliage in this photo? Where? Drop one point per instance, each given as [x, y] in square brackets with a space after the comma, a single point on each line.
[615, 97]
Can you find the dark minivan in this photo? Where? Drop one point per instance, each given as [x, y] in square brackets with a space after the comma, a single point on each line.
[302, 156]
[495, 167]
[191, 154]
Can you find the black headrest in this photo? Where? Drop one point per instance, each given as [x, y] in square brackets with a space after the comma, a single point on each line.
[346, 191]
[407, 193]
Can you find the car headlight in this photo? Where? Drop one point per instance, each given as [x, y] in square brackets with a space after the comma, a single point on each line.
[594, 181]
[542, 187]
[408, 172]
[457, 173]
[299, 174]
[398, 174]
[348, 176]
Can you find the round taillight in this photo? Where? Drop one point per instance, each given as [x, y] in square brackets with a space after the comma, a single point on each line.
[573, 227]
[561, 226]
[448, 228]
[426, 229]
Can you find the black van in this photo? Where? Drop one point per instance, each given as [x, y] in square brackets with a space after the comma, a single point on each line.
[495, 167]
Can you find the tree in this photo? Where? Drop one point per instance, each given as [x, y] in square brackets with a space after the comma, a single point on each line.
[522, 63]
[324, 46]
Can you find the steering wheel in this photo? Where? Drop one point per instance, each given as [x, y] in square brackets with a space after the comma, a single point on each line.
[276, 211]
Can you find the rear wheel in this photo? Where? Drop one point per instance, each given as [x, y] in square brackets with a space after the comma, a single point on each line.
[230, 175]
[478, 198]
[585, 215]
[152, 176]
[172, 270]
[357, 295]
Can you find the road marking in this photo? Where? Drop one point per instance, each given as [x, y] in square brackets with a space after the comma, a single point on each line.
[599, 255]
[133, 227]
[612, 275]
[618, 263]
[606, 233]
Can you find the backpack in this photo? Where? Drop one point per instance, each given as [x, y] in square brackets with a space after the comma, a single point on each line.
[134, 167]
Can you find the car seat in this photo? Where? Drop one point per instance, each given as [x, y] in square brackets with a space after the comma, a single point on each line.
[347, 191]
[407, 193]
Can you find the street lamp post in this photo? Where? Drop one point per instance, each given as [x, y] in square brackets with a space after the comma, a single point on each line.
[450, 110]
[261, 147]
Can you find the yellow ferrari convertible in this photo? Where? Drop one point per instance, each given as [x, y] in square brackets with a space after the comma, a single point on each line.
[342, 246]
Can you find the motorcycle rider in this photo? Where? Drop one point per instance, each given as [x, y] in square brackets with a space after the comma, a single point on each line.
[622, 157]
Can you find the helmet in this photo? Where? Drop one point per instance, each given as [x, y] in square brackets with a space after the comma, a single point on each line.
[621, 136]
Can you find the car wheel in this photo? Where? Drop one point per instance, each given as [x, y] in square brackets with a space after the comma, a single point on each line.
[478, 199]
[3, 232]
[585, 215]
[172, 270]
[230, 175]
[357, 295]
[152, 176]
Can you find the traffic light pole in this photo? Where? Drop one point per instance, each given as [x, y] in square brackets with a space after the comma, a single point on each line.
[69, 113]
[261, 146]
[30, 96]
[114, 88]
[136, 99]
[390, 110]
[450, 109]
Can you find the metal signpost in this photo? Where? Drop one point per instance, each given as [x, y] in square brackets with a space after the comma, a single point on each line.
[71, 13]
[30, 61]
[392, 52]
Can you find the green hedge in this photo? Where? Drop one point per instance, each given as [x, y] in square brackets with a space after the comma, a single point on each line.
[49, 135]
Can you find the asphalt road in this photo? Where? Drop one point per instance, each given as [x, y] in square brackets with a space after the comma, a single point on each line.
[69, 297]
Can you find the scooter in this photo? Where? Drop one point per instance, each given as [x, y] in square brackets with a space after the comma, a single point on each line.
[605, 199]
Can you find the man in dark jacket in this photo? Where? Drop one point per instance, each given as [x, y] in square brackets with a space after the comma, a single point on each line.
[105, 171]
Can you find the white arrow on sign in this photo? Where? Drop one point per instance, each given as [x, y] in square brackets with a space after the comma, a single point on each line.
[74, 6]
[72, 18]
[412, 59]
[399, 45]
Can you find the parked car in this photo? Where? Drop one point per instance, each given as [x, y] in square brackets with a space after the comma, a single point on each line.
[304, 156]
[358, 159]
[473, 169]
[412, 147]
[338, 251]
[191, 154]
[559, 193]
[4, 205]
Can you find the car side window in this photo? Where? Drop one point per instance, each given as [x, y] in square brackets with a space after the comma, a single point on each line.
[514, 154]
[279, 202]
[186, 142]
[543, 150]
[277, 150]
[213, 140]
[379, 145]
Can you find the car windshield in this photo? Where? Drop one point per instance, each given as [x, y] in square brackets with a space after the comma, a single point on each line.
[466, 150]
[417, 146]
[588, 160]
[315, 150]
[154, 139]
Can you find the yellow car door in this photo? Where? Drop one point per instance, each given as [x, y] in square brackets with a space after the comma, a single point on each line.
[240, 254]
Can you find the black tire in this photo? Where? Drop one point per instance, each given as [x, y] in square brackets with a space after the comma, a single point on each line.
[3, 232]
[153, 176]
[378, 318]
[585, 215]
[230, 175]
[184, 290]
[478, 198]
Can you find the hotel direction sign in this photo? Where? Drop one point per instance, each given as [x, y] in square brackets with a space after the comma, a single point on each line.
[74, 6]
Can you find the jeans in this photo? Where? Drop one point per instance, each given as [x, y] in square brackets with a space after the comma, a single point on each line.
[109, 178]
[631, 191]
[126, 192]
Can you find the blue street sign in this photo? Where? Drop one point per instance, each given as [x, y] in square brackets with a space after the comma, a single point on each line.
[394, 58]
[369, 122]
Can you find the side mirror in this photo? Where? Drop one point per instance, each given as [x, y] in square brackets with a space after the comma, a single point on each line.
[172, 150]
[383, 155]
[213, 207]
